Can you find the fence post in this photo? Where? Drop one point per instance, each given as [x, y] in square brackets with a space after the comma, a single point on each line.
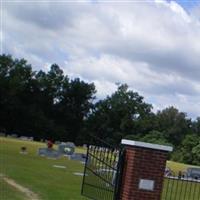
[143, 172]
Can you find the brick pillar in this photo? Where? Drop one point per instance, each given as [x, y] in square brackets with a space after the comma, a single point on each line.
[143, 171]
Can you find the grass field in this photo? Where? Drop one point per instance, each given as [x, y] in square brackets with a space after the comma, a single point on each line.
[176, 167]
[180, 189]
[9, 193]
[38, 174]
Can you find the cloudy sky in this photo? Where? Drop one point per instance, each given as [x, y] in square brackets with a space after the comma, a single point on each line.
[153, 46]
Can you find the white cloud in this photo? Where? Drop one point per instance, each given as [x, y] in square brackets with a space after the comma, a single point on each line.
[152, 46]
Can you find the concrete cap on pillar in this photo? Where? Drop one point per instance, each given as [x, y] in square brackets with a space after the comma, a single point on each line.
[146, 145]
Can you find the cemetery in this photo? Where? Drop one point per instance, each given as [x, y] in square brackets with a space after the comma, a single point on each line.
[62, 176]
[50, 178]
[63, 149]
[193, 173]
[99, 100]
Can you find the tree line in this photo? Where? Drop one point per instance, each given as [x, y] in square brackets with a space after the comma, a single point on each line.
[50, 105]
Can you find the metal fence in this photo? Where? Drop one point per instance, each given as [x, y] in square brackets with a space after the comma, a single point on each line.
[181, 188]
[103, 167]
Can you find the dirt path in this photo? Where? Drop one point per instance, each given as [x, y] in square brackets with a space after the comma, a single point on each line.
[28, 193]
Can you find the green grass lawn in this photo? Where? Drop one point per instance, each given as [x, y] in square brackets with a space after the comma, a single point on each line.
[9, 193]
[176, 167]
[38, 174]
[180, 189]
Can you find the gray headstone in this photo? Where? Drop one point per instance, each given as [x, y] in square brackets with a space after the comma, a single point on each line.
[14, 135]
[31, 138]
[24, 138]
[193, 173]
[50, 153]
[57, 142]
[70, 144]
[79, 157]
[66, 148]
[42, 151]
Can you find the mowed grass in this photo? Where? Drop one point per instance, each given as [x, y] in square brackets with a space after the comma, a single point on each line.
[7, 192]
[180, 189]
[37, 173]
[176, 167]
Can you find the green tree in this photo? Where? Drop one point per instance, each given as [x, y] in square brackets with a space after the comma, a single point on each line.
[16, 81]
[39, 104]
[196, 154]
[120, 114]
[186, 152]
[196, 126]
[74, 105]
[174, 124]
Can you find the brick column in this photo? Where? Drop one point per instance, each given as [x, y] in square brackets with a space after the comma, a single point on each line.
[143, 171]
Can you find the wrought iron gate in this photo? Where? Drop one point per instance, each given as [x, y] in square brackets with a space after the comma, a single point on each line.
[181, 187]
[103, 170]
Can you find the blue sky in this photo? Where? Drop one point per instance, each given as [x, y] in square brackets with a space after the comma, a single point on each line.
[153, 46]
[188, 4]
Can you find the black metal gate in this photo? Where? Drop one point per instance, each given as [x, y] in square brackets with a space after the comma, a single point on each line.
[181, 187]
[103, 170]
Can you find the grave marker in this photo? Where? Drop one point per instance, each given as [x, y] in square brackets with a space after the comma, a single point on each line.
[66, 148]
[78, 156]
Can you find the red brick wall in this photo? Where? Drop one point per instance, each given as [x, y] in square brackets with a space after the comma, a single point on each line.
[142, 163]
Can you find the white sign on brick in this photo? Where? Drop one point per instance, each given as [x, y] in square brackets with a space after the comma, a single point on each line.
[146, 184]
